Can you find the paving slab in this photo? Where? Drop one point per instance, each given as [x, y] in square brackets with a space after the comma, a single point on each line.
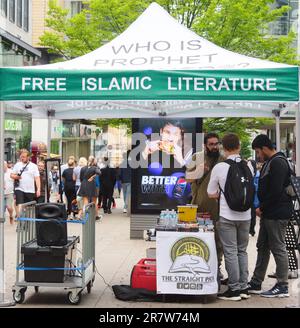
[116, 255]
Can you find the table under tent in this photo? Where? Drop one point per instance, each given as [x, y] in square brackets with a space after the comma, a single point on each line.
[156, 67]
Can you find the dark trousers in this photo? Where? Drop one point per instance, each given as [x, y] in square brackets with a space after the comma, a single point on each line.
[107, 199]
[70, 195]
[100, 196]
[271, 238]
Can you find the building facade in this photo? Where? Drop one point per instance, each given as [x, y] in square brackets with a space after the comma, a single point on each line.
[16, 50]
[286, 23]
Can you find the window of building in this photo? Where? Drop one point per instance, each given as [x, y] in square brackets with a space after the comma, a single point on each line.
[77, 7]
[4, 8]
[19, 12]
[26, 16]
[12, 10]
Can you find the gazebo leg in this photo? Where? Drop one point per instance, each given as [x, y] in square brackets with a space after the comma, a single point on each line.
[298, 140]
[3, 302]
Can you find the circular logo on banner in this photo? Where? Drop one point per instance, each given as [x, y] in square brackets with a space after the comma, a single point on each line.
[190, 246]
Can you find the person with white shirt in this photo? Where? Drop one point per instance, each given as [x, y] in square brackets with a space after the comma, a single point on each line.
[233, 226]
[8, 192]
[28, 177]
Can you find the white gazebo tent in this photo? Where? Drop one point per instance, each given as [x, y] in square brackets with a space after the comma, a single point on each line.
[156, 67]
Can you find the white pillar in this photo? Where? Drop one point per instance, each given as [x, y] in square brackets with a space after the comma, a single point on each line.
[49, 137]
[2, 272]
[277, 133]
[277, 119]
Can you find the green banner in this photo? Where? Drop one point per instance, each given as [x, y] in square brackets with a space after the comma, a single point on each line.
[279, 84]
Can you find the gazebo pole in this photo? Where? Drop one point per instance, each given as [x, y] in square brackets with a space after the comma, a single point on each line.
[277, 118]
[298, 140]
[50, 114]
[3, 302]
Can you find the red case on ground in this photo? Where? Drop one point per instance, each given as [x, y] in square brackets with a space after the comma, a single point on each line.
[143, 275]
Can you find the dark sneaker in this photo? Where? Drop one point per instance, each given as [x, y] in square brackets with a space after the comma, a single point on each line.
[230, 295]
[244, 293]
[276, 291]
[254, 288]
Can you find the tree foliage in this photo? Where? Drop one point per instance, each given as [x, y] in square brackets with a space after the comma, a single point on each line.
[241, 26]
[243, 127]
[115, 122]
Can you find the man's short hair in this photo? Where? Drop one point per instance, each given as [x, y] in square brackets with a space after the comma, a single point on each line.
[209, 136]
[262, 140]
[24, 151]
[231, 142]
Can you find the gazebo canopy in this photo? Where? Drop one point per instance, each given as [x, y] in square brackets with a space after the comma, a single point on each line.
[155, 67]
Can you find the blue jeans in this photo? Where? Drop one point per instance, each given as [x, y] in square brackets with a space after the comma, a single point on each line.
[126, 193]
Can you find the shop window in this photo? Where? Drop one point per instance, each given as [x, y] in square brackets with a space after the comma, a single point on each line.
[4, 8]
[26, 16]
[12, 10]
[19, 13]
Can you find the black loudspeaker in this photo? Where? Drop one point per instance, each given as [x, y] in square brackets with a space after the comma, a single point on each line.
[52, 232]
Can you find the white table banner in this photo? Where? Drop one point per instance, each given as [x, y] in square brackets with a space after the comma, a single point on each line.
[186, 263]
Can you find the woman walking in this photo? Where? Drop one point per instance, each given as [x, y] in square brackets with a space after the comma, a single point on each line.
[69, 185]
[88, 190]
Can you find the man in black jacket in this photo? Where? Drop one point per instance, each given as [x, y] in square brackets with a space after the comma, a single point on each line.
[275, 211]
[107, 184]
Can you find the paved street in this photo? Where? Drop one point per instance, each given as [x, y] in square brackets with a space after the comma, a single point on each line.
[115, 256]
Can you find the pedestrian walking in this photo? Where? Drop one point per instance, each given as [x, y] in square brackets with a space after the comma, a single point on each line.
[88, 189]
[125, 178]
[55, 182]
[8, 192]
[43, 182]
[107, 183]
[27, 180]
[69, 186]
[76, 174]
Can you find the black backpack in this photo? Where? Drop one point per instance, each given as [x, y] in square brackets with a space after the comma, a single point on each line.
[239, 187]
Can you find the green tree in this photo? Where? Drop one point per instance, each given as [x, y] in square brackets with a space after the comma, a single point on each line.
[241, 126]
[91, 28]
[115, 122]
[241, 26]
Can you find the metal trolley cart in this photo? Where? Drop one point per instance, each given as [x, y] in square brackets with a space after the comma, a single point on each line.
[76, 276]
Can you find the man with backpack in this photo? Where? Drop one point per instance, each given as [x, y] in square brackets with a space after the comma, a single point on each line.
[232, 183]
[275, 210]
